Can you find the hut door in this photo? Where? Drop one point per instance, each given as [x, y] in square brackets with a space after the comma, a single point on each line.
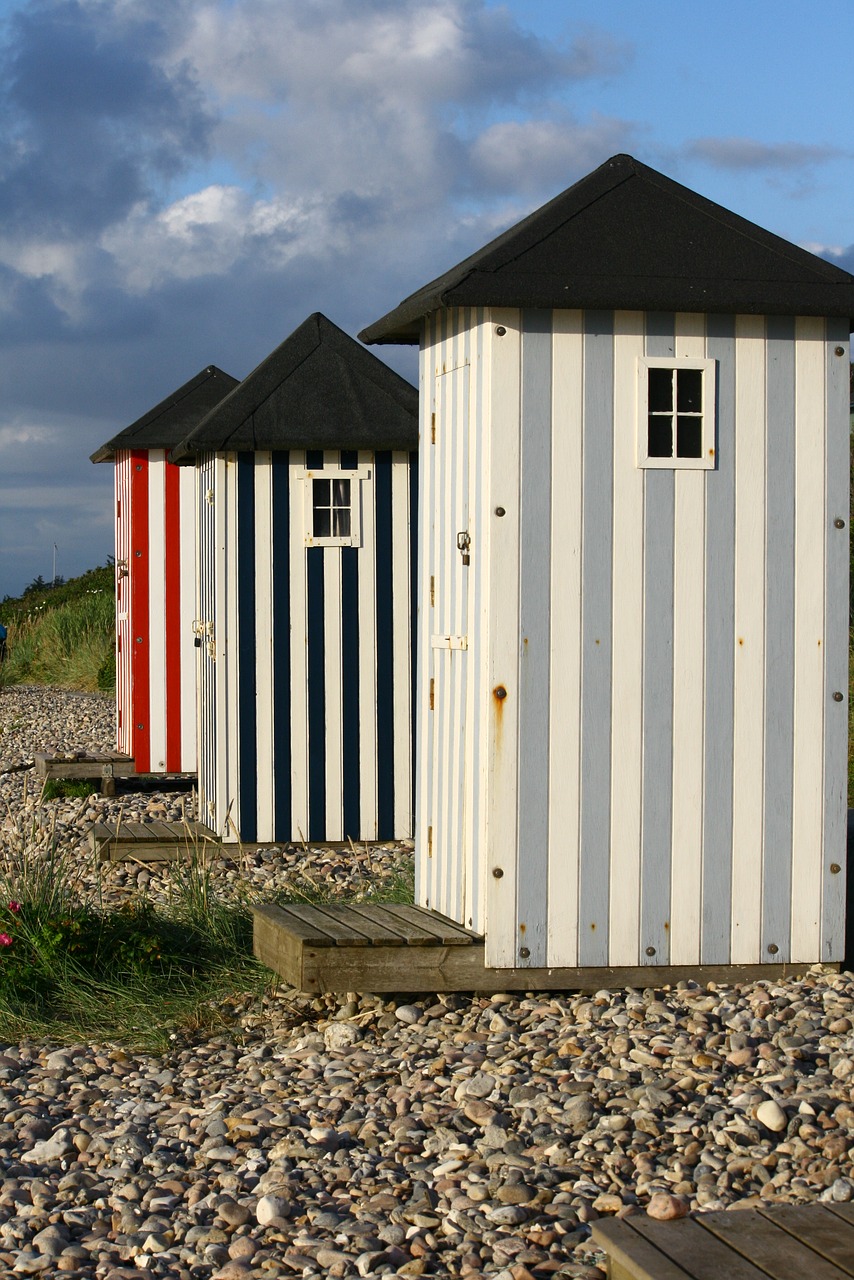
[124, 644]
[203, 629]
[452, 554]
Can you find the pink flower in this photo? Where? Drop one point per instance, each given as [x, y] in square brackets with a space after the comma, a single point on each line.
[5, 940]
[15, 907]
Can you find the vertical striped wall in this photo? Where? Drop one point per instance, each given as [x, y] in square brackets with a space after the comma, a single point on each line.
[155, 605]
[309, 695]
[651, 681]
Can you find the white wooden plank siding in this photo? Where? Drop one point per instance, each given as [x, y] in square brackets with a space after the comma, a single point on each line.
[650, 683]
[808, 763]
[189, 579]
[689, 595]
[565, 639]
[501, 864]
[309, 700]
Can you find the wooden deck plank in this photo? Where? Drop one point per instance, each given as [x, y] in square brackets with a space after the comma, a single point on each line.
[768, 1244]
[819, 1228]
[845, 1211]
[305, 930]
[338, 927]
[445, 931]
[376, 921]
[630, 1256]
[696, 1250]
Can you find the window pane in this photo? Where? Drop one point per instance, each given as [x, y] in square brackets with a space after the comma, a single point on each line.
[689, 438]
[341, 522]
[321, 493]
[322, 521]
[689, 391]
[660, 436]
[340, 493]
[660, 392]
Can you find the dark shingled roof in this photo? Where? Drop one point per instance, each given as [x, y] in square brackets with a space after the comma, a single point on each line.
[168, 422]
[318, 390]
[628, 237]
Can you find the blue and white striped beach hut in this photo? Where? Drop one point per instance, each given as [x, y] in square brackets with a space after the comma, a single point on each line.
[633, 644]
[307, 484]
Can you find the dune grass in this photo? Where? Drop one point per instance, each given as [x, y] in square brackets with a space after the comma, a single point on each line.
[141, 974]
[63, 636]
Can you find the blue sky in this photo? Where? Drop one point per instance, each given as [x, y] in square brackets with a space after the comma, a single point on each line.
[183, 181]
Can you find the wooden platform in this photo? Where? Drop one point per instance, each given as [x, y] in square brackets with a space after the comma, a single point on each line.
[780, 1242]
[84, 764]
[348, 947]
[149, 841]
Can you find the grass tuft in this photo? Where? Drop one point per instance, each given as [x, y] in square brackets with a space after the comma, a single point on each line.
[139, 974]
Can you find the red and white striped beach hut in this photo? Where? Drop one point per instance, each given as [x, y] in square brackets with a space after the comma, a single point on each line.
[156, 579]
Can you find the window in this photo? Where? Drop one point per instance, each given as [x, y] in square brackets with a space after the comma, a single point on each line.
[332, 506]
[676, 413]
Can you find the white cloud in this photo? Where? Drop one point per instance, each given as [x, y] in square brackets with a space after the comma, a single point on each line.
[531, 154]
[750, 153]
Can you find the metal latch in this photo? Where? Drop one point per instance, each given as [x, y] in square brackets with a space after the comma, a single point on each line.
[463, 544]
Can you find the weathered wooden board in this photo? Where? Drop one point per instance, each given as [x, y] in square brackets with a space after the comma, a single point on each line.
[783, 1242]
[149, 841]
[86, 765]
[355, 947]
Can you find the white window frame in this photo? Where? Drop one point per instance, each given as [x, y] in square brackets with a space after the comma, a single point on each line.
[708, 451]
[356, 475]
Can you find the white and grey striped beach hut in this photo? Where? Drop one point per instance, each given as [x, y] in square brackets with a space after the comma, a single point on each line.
[156, 579]
[307, 480]
[632, 674]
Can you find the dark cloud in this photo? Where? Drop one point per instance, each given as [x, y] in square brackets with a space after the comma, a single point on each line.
[92, 121]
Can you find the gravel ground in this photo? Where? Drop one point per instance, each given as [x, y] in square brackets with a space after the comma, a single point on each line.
[442, 1135]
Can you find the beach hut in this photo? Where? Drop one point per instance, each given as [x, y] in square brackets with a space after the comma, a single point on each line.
[307, 481]
[632, 649]
[156, 579]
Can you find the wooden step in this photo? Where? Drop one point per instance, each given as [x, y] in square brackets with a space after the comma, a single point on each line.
[151, 841]
[367, 947]
[360, 947]
[773, 1242]
[85, 764]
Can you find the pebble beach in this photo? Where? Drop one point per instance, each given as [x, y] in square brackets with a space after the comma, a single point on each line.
[443, 1135]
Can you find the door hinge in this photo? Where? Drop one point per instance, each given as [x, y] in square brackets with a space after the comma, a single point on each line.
[432, 428]
[432, 687]
[432, 591]
[429, 842]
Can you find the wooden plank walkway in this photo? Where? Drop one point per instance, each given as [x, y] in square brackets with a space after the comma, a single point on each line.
[352, 947]
[777, 1242]
[85, 764]
[150, 841]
